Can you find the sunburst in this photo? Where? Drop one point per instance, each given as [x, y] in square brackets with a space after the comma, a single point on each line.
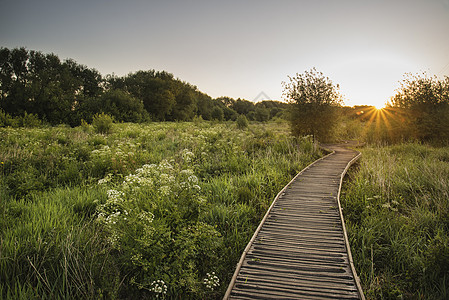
[383, 121]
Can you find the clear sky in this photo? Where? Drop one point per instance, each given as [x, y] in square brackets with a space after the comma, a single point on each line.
[242, 48]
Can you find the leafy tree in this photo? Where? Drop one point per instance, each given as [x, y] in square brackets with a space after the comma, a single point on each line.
[205, 105]
[154, 89]
[120, 105]
[424, 101]
[217, 114]
[185, 105]
[276, 108]
[225, 104]
[41, 84]
[229, 113]
[13, 76]
[315, 99]
[227, 101]
[262, 114]
[243, 106]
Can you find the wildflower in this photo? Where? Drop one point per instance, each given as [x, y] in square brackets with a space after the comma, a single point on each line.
[187, 155]
[193, 179]
[165, 178]
[159, 287]
[165, 190]
[186, 172]
[115, 196]
[211, 281]
[165, 165]
[146, 216]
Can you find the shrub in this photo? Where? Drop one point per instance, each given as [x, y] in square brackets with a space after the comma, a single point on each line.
[84, 125]
[5, 119]
[242, 122]
[102, 123]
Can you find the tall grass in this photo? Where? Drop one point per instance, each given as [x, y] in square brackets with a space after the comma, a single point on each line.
[61, 232]
[396, 208]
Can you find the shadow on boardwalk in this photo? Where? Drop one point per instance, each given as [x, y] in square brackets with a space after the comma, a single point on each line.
[300, 249]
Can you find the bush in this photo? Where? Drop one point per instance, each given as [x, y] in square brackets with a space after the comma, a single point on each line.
[30, 121]
[102, 123]
[5, 119]
[242, 122]
[315, 100]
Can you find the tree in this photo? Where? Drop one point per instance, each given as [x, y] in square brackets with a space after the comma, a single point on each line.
[217, 114]
[262, 114]
[118, 104]
[185, 106]
[315, 99]
[154, 89]
[243, 107]
[205, 105]
[424, 103]
[41, 84]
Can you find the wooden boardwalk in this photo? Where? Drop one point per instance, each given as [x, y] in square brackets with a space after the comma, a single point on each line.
[300, 249]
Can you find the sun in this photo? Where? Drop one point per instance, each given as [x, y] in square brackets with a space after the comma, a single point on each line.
[380, 105]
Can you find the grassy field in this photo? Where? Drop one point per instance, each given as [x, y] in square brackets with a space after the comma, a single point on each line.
[396, 207]
[161, 210]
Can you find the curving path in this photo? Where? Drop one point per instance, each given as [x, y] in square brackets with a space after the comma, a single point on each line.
[300, 249]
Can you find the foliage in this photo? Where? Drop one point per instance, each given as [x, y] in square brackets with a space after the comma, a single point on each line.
[396, 211]
[41, 84]
[424, 102]
[118, 104]
[217, 114]
[242, 122]
[102, 123]
[65, 92]
[27, 120]
[133, 214]
[5, 119]
[315, 99]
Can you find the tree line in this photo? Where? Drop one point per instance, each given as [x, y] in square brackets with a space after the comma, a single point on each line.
[66, 92]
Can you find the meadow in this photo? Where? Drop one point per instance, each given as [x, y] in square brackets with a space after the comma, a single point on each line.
[396, 209]
[159, 210]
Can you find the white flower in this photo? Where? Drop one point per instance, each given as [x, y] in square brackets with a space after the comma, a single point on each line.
[187, 155]
[211, 281]
[165, 165]
[115, 196]
[187, 172]
[193, 179]
[146, 216]
[158, 287]
[106, 179]
[165, 190]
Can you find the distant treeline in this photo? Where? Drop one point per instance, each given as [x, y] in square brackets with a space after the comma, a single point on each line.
[65, 92]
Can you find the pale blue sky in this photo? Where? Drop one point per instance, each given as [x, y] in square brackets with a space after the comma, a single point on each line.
[240, 48]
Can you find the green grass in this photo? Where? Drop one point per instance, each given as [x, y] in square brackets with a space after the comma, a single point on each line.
[396, 207]
[194, 194]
